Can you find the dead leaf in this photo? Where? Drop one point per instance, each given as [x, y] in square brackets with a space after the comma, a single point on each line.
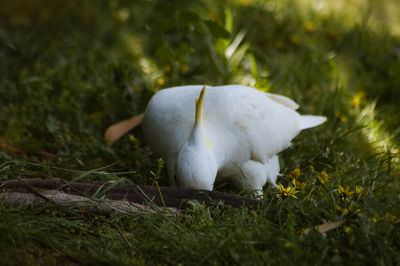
[323, 228]
[116, 131]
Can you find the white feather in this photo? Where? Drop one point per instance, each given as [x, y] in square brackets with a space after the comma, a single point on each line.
[241, 131]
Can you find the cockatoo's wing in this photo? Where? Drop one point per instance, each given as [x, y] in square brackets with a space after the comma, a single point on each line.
[283, 100]
[268, 122]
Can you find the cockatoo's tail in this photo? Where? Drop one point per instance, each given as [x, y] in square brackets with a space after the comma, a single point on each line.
[309, 121]
[233, 131]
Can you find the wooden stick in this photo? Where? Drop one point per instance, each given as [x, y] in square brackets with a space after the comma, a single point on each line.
[81, 202]
[174, 197]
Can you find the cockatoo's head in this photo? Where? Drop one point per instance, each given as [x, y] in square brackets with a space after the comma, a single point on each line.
[196, 169]
[196, 165]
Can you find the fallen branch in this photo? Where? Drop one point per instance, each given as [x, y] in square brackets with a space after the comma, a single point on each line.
[69, 200]
[107, 197]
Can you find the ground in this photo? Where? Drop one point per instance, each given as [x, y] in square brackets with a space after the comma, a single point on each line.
[71, 68]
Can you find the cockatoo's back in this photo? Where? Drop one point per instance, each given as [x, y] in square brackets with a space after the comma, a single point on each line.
[240, 124]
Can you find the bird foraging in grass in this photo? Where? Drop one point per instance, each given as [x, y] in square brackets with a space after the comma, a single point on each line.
[228, 131]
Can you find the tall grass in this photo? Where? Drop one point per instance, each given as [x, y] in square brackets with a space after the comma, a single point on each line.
[69, 69]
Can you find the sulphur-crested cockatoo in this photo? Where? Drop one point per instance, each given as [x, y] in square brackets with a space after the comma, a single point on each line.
[226, 131]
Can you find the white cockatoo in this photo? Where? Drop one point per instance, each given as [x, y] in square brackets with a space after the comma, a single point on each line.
[229, 131]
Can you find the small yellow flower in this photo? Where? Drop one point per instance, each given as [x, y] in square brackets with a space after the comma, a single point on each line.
[357, 99]
[132, 138]
[358, 190]
[390, 218]
[341, 117]
[344, 193]
[323, 177]
[309, 26]
[160, 81]
[294, 39]
[347, 210]
[205, 222]
[294, 174]
[342, 210]
[348, 229]
[375, 219]
[286, 192]
[287, 244]
[298, 185]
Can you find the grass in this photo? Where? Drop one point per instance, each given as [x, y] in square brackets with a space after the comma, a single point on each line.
[69, 69]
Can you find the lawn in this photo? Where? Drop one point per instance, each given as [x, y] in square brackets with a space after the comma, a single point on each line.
[69, 69]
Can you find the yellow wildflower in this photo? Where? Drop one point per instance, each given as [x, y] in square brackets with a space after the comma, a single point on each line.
[132, 138]
[287, 244]
[341, 117]
[348, 229]
[205, 222]
[356, 100]
[294, 39]
[358, 190]
[342, 210]
[309, 26]
[323, 177]
[160, 81]
[344, 193]
[294, 174]
[376, 218]
[347, 210]
[390, 218]
[298, 185]
[286, 192]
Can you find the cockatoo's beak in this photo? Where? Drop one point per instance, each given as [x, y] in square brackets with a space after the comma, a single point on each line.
[199, 106]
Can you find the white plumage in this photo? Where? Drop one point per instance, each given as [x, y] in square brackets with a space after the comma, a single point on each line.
[231, 131]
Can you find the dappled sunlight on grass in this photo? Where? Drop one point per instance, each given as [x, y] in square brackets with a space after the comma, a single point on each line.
[376, 14]
[381, 140]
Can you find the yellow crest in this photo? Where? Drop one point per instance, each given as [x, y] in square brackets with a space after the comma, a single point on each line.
[199, 105]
